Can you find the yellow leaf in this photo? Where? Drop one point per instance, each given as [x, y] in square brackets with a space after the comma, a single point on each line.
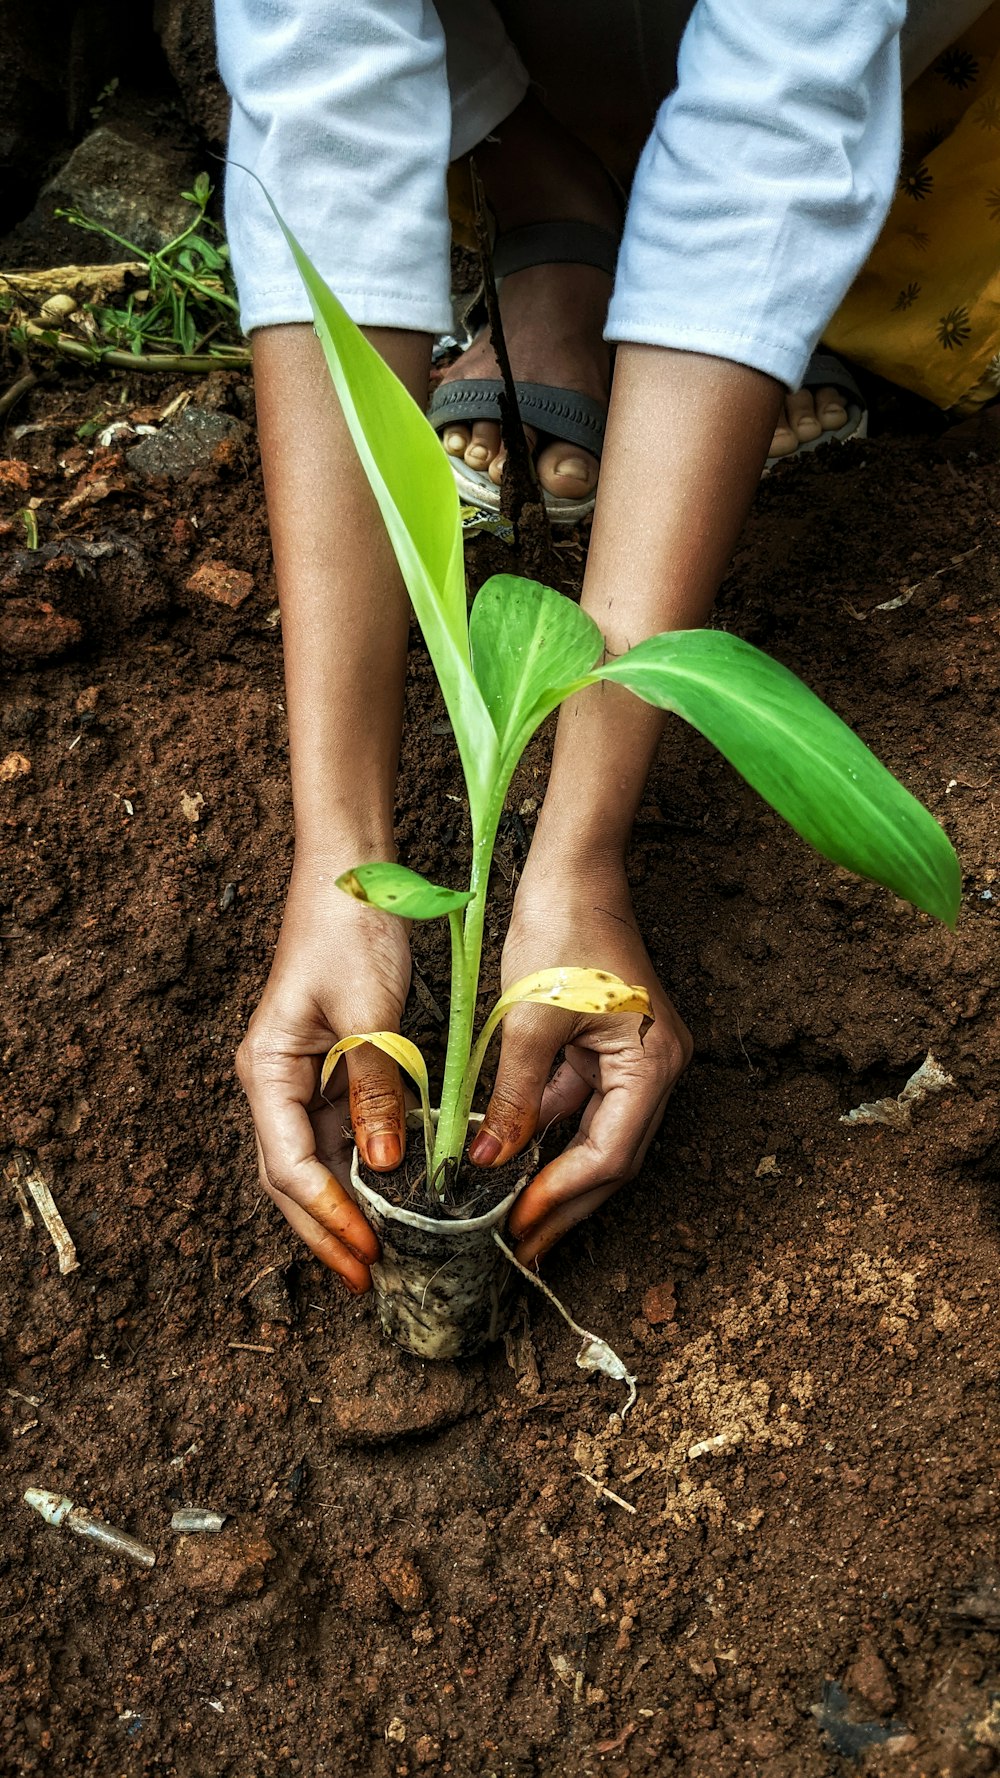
[406, 1056]
[402, 1051]
[577, 990]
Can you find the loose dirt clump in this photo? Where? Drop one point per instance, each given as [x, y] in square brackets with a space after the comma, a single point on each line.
[437, 1568]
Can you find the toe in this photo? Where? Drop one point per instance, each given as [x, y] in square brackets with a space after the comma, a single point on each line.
[497, 465]
[567, 470]
[786, 439]
[801, 411]
[483, 445]
[831, 409]
[455, 440]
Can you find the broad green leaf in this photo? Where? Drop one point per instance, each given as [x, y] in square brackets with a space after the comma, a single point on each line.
[802, 759]
[413, 485]
[406, 1056]
[397, 890]
[530, 644]
[575, 990]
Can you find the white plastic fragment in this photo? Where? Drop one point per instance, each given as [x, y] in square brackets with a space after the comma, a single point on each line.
[197, 1518]
[27, 1174]
[595, 1354]
[896, 1113]
[59, 1511]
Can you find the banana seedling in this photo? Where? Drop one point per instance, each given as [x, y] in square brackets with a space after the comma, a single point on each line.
[507, 665]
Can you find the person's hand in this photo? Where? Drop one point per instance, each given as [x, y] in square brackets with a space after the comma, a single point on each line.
[578, 913]
[339, 967]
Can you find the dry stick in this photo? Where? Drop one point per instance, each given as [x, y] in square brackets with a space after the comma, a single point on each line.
[17, 389]
[519, 483]
[46, 1206]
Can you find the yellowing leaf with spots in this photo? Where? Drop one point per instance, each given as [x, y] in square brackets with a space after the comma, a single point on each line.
[596, 991]
[406, 1056]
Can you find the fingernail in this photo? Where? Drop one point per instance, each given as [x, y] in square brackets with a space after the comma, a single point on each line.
[384, 1152]
[485, 1149]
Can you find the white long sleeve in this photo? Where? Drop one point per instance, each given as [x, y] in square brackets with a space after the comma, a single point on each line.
[343, 113]
[766, 179]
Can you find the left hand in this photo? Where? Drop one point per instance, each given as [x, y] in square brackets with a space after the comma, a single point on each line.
[578, 913]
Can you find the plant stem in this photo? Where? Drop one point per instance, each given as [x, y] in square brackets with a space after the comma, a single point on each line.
[467, 950]
[232, 358]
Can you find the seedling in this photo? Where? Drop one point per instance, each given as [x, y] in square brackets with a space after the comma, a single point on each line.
[507, 665]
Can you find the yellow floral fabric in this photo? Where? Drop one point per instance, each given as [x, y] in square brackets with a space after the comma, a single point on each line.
[925, 311]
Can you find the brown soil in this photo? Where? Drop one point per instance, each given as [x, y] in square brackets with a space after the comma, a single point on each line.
[432, 1569]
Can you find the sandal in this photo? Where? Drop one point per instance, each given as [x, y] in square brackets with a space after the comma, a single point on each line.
[555, 413]
[822, 371]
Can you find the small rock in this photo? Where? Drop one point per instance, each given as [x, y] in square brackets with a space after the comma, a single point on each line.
[660, 1302]
[191, 806]
[31, 630]
[227, 586]
[402, 1579]
[230, 1566]
[403, 1404]
[396, 1730]
[767, 1168]
[195, 439]
[15, 765]
[868, 1678]
[128, 186]
[15, 476]
[86, 701]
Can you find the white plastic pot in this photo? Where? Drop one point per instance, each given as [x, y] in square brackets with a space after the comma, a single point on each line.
[443, 1288]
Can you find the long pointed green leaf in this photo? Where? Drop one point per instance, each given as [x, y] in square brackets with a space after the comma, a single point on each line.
[412, 482]
[802, 759]
[529, 645]
[397, 890]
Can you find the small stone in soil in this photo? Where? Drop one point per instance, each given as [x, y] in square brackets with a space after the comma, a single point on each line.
[660, 1303]
[402, 1579]
[230, 1566]
[224, 585]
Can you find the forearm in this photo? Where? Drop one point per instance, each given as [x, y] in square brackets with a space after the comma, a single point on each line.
[344, 611]
[686, 442]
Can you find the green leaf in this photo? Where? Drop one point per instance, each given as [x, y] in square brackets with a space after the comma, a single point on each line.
[412, 482]
[397, 890]
[802, 759]
[529, 645]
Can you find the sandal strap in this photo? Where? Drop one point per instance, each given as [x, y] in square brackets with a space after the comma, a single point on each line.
[555, 243]
[825, 369]
[572, 418]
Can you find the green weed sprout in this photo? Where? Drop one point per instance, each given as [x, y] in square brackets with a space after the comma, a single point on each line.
[507, 665]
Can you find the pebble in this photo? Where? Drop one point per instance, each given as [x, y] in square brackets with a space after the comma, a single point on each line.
[32, 630]
[401, 1579]
[14, 765]
[226, 586]
[868, 1678]
[660, 1303]
[196, 439]
[15, 475]
[229, 1566]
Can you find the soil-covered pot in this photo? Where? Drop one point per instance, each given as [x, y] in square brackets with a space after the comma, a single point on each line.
[442, 1286]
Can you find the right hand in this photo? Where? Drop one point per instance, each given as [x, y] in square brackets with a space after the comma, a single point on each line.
[339, 967]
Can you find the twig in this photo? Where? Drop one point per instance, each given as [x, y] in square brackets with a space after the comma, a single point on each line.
[17, 389]
[241, 1346]
[46, 1205]
[606, 1492]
